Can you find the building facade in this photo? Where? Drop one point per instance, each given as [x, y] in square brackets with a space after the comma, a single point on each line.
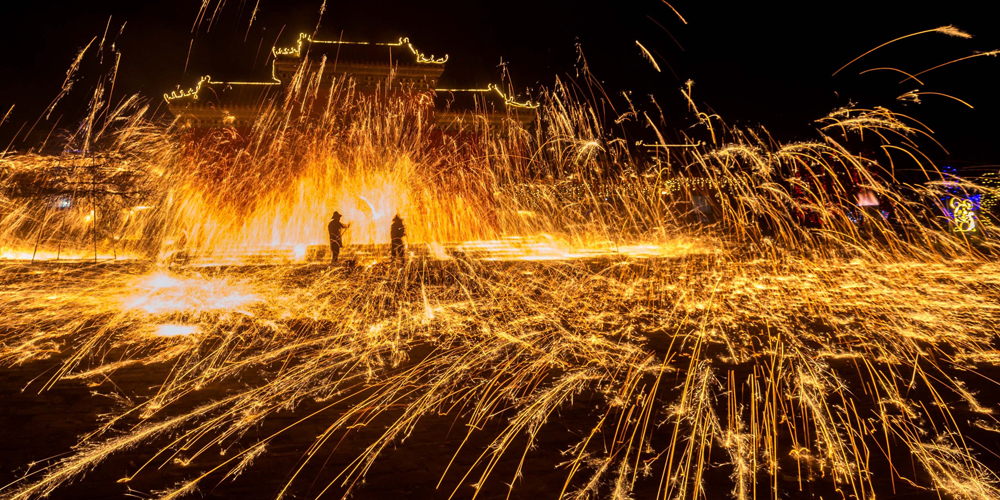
[372, 68]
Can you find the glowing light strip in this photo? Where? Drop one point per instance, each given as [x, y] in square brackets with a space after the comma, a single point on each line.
[193, 92]
[403, 42]
[421, 58]
[297, 52]
[288, 51]
[508, 100]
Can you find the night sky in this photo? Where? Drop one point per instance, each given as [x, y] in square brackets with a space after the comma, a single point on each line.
[752, 63]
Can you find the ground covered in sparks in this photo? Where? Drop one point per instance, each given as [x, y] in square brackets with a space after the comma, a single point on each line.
[609, 376]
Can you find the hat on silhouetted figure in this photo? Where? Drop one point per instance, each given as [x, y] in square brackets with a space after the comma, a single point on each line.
[336, 215]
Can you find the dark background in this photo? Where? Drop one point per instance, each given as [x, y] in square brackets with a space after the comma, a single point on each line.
[752, 63]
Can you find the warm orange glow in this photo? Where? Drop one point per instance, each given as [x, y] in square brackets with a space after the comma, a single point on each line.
[713, 306]
[367, 197]
[161, 293]
[170, 330]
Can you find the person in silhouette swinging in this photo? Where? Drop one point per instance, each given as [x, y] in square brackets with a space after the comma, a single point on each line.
[396, 233]
[336, 230]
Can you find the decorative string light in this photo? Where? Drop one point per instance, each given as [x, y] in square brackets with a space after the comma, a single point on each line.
[964, 213]
[990, 198]
[508, 100]
[296, 50]
[194, 91]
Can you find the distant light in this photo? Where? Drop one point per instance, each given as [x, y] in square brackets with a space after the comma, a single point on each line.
[963, 214]
[299, 252]
[171, 330]
[62, 202]
[867, 199]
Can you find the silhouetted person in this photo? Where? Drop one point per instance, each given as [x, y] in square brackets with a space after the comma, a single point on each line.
[396, 234]
[336, 229]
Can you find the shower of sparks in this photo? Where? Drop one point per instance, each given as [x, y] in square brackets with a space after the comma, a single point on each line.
[944, 30]
[175, 330]
[544, 268]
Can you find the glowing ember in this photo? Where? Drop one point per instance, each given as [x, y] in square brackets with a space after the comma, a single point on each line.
[175, 330]
[161, 293]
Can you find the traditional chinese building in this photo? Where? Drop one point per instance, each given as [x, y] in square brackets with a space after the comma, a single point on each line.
[462, 109]
[373, 67]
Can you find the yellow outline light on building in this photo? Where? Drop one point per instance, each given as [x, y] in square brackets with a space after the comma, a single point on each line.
[403, 42]
[193, 92]
[508, 100]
